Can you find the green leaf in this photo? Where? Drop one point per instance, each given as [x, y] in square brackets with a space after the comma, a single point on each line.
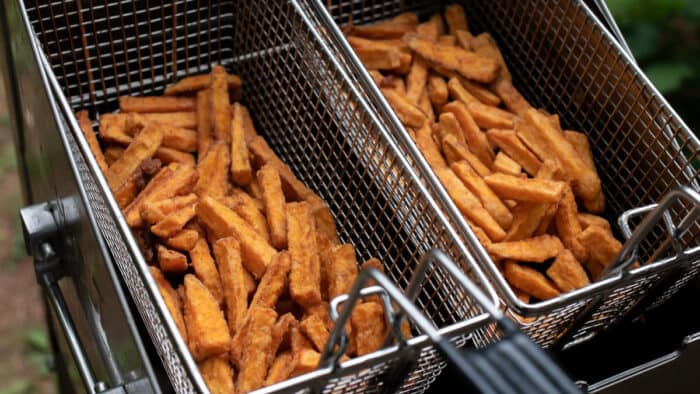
[20, 386]
[36, 340]
[668, 77]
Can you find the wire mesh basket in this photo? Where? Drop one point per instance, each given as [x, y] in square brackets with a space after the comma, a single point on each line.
[563, 60]
[313, 117]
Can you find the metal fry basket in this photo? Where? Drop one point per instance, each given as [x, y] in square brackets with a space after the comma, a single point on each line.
[562, 59]
[310, 112]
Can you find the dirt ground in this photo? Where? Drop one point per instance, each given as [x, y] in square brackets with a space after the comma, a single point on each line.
[24, 347]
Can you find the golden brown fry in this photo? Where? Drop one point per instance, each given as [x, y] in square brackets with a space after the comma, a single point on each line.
[530, 281]
[505, 165]
[228, 258]
[174, 222]
[112, 129]
[437, 91]
[376, 55]
[126, 193]
[409, 114]
[171, 261]
[196, 83]
[459, 92]
[170, 181]
[177, 138]
[217, 374]
[484, 45]
[416, 80]
[183, 240]
[155, 104]
[585, 181]
[142, 148]
[213, 172]
[204, 136]
[305, 275]
[527, 217]
[377, 77]
[476, 140]
[273, 198]
[112, 153]
[315, 329]
[432, 29]
[369, 326]
[579, 141]
[568, 226]
[464, 39]
[456, 59]
[602, 247]
[154, 211]
[456, 18]
[508, 141]
[305, 361]
[525, 189]
[168, 155]
[567, 273]
[282, 331]
[481, 93]
[86, 128]
[185, 120]
[171, 299]
[294, 189]
[220, 110]
[428, 148]
[426, 106]
[256, 252]
[257, 350]
[489, 200]
[586, 220]
[395, 27]
[241, 171]
[323, 218]
[206, 326]
[248, 126]
[449, 126]
[534, 250]
[468, 204]
[455, 151]
[281, 368]
[274, 282]
[513, 100]
[343, 270]
[447, 40]
[247, 208]
[205, 269]
[529, 136]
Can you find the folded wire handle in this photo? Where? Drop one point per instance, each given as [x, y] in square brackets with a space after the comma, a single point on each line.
[515, 364]
[654, 213]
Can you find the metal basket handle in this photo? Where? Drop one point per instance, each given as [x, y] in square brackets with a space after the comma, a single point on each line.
[654, 213]
[609, 22]
[515, 364]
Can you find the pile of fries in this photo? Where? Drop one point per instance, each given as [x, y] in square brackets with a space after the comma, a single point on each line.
[245, 255]
[529, 190]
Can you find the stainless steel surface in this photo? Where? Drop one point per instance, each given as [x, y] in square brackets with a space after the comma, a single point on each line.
[305, 106]
[602, 8]
[563, 60]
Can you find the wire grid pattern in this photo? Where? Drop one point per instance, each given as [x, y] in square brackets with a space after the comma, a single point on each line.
[299, 102]
[561, 61]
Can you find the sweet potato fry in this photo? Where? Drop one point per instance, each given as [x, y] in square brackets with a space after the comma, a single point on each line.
[585, 181]
[579, 141]
[171, 299]
[505, 165]
[273, 198]
[508, 141]
[171, 261]
[447, 40]
[241, 171]
[468, 204]
[464, 39]
[476, 140]
[459, 92]
[525, 189]
[294, 189]
[428, 148]
[281, 368]
[513, 100]
[375, 55]
[527, 217]
[274, 282]
[395, 27]
[534, 250]
[530, 281]
[305, 361]
[112, 129]
[183, 240]
[142, 148]
[343, 270]
[437, 91]
[448, 125]
[196, 83]
[185, 120]
[228, 258]
[481, 93]
[315, 329]
[484, 45]
[86, 128]
[174, 222]
[154, 211]
[416, 80]
[456, 18]
[305, 275]
[155, 104]
[409, 114]
[369, 326]
[426, 106]
[169, 155]
[256, 252]
[586, 220]
[248, 126]
[213, 172]
[247, 208]
[206, 326]
[567, 273]
[173, 137]
[489, 199]
[257, 349]
[282, 331]
[602, 247]
[432, 29]
[455, 151]
[568, 226]
[529, 136]
[112, 153]
[170, 181]
[453, 58]
[220, 110]
[204, 135]
[205, 269]
[127, 192]
[217, 374]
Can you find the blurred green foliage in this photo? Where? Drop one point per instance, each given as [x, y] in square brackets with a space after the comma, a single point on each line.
[664, 36]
